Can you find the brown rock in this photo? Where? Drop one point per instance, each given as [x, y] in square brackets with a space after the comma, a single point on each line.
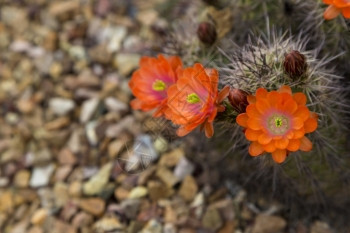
[229, 227]
[75, 189]
[94, 206]
[57, 123]
[62, 7]
[115, 147]
[188, 189]
[82, 219]
[62, 173]
[39, 216]
[25, 106]
[121, 193]
[6, 202]
[167, 176]
[35, 229]
[172, 158]
[268, 224]
[321, 227]
[108, 224]
[212, 219]
[60, 226]
[66, 157]
[22, 179]
[157, 190]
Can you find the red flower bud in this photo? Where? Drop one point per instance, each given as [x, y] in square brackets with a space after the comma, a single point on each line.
[206, 33]
[238, 99]
[295, 64]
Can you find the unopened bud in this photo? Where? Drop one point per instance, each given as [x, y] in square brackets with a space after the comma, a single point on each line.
[295, 64]
[238, 99]
[206, 33]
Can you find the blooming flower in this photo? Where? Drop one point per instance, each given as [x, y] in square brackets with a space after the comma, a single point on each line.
[151, 81]
[336, 7]
[276, 122]
[194, 100]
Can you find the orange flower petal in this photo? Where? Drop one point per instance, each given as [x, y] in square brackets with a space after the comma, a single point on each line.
[262, 105]
[252, 135]
[297, 123]
[264, 139]
[182, 132]
[281, 143]
[209, 129]
[346, 12]
[328, 2]
[302, 112]
[331, 12]
[293, 145]
[255, 149]
[310, 125]
[273, 97]
[298, 133]
[305, 144]
[290, 106]
[223, 94]
[279, 156]
[261, 93]
[254, 123]
[285, 89]
[290, 135]
[300, 98]
[252, 111]
[242, 120]
[251, 99]
[270, 147]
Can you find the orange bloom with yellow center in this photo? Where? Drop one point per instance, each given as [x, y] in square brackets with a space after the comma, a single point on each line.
[276, 122]
[150, 83]
[336, 7]
[194, 100]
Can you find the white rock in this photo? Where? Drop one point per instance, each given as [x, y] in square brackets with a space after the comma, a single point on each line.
[20, 46]
[115, 105]
[61, 106]
[126, 62]
[41, 176]
[96, 184]
[138, 192]
[117, 35]
[91, 133]
[88, 108]
[183, 168]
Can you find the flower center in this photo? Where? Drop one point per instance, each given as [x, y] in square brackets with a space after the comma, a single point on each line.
[159, 85]
[278, 124]
[193, 98]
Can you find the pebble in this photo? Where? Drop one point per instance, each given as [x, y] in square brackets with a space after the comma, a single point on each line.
[183, 168]
[115, 105]
[66, 157]
[212, 220]
[138, 192]
[94, 206]
[22, 179]
[167, 176]
[115, 147]
[321, 227]
[268, 224]
[108, 224]
[88, 109]
[82, 219]
[125, 63]
[97, 182]
[152, 226]
[41, 176]
[75, 189]
[188, 189]
[172, 158]
[39, 216]
[61, 106]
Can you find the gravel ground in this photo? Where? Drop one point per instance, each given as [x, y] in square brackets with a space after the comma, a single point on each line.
[67, 133]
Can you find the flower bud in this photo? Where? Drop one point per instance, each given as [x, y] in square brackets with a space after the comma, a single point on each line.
[206, 33]
[295, 64]
[238, 99]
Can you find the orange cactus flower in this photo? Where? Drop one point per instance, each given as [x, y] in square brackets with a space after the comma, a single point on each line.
[336, 7]
[276, 122]
[150, 83]
[194, 100]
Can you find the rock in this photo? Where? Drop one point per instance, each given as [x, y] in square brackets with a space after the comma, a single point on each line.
[58, 123]
[68, 211]
[152, 226]
[82, 219]
[61, 7]
[61, 106]
[25, 106]
[35, 229]
[66, 157]
[41, 176]
[121, 193]
[61, 194]
[212, 220]
[20, 46]
[94, 206]
[268, 224]
[90, 129]
[115, 147]
[97, 182]
[60, 226]
[183, 168]
[22, 179]
[126, 63]
[62, 173]
[39, 216]
[198, 204]
[229, 227]
[138, 192]
[115, 105]
[108, 224]
[6, 202]
[169, 228]
[75, 189]
[172, 158]
[4, 181]
[127, 123]
[88, 109]
[116, 36]
[167, 176]
[157, 190]
[160, 144]
[188, 189]
[320, 227]
[147, 17]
